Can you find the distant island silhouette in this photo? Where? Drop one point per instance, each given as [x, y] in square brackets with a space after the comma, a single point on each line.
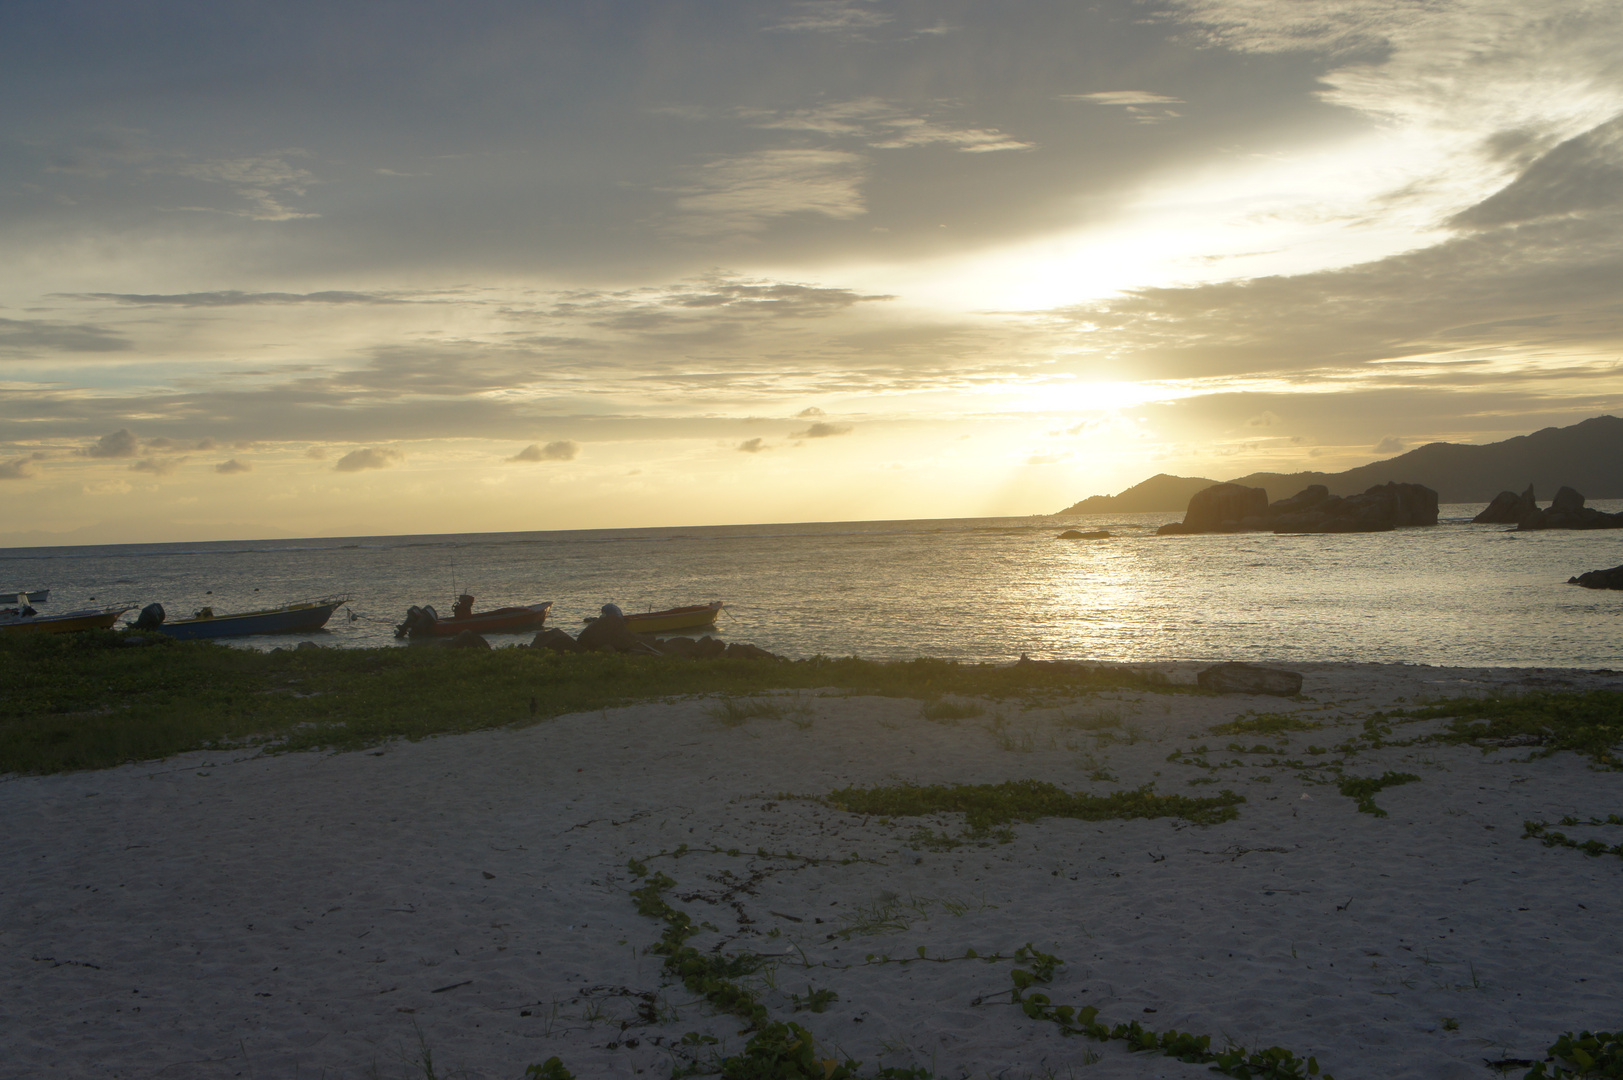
[1585, 456]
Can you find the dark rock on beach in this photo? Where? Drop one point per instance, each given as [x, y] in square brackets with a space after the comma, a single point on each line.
[466, 639]
[556, 640]
[740, 650]
[1237, 678]
[1599, 579]
[609, 632]
[1073, 534]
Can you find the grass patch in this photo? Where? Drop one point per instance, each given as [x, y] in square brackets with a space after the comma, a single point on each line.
[1265, 724]
[733, 712]
[1364, 788]
[988, 806]
[85, 701]
[941, 711]
[1588, 723]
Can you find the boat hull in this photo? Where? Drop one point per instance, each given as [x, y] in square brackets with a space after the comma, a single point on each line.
[293, 619]
[692, 617]
[507, 620]
[65, 623]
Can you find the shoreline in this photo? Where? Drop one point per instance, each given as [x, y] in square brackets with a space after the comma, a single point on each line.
[207, 916]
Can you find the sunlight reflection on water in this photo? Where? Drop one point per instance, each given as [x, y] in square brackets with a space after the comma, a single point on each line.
[985, 589]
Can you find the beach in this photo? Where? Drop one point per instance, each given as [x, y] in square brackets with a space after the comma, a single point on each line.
[468, 898]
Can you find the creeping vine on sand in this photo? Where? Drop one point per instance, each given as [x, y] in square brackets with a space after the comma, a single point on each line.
[1274, 1063]
[1540, 830]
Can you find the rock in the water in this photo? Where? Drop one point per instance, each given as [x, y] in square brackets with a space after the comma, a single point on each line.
[1073, 534]
[1508, 508]
[1566, 501]
[556, 640]
[707, 648]
[1221, 508]
[1309, 498]
[1250, 679]
[1383, 507]
[1600, 579]
[467, 639]
[1567, 511]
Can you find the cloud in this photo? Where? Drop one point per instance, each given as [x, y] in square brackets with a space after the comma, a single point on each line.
[753, 446]
[1584, 173]
[562, 450]
[263, 181]
[822, 431]
[369, 458]
[810, 413]
[831, 17]
[233, 466]
[1263, 419]
[1389, 445]
[18, 468]
[1142, 106]
[119, 444]
[743, 195]
[1046, 459]
[30, 335]
[236, 298]
[158, 466]
[316, 453]
[882, 125]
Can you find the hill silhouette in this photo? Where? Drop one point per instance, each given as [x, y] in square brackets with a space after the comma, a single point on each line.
[1587, 456]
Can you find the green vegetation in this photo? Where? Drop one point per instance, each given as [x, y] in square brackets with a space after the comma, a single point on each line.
[1265, 724]
[88, 701]
[950, 710]
[1541, 831]
[1274, 1063]
[1363, 788]
[777, 1050]
[1588, 723]
[988, 806]
[1598, 1055]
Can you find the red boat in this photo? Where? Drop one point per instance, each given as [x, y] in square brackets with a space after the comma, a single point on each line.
[426, 622]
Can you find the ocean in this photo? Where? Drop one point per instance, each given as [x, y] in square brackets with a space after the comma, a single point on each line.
[987, 589]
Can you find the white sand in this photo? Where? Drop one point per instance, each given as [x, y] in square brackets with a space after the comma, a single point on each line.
[294, 915]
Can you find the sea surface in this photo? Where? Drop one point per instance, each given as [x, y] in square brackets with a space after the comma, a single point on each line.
[984, 589]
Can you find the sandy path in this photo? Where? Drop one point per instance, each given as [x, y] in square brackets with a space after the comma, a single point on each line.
[314, 915]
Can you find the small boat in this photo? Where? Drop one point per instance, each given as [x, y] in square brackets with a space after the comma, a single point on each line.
[38, 596]
[426, 622]
[26, 621]
[691, 617]
[287, 619]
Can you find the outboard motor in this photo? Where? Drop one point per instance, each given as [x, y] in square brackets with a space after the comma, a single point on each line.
[419, 622]
[151, 617]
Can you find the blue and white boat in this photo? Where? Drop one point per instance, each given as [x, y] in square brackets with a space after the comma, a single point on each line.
[287, 619]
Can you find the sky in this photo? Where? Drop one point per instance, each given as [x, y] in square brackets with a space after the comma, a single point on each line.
[314, 269]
